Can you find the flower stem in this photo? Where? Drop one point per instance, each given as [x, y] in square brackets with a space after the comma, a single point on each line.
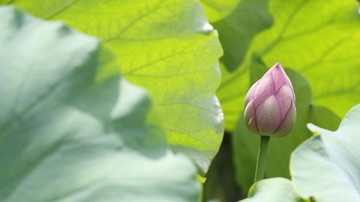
[261, 158]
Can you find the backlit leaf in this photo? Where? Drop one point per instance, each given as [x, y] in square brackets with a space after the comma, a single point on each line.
[316, 38]
[66, 137]
[169, 48]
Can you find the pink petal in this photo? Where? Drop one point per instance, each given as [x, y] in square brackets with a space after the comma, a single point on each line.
[268, 116]
[284, 98]
[287, 123]
[250, 117]
[250, 93]
[263, 90]
[278, 75]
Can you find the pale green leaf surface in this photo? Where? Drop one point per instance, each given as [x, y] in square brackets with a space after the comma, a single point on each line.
[65, 137]
[246, 143]
[273, 190]
[317, 38]
[169, 48]
[327, 165]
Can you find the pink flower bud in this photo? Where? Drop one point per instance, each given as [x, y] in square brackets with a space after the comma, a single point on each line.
[270, 104]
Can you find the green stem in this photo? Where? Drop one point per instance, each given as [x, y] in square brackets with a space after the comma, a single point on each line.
[261, 158]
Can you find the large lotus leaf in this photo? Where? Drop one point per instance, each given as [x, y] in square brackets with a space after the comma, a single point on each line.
[237, 21]
[66, 137]
[274, 190]
[319, 39]
[327, 166]
[169, 48]
[246, 143]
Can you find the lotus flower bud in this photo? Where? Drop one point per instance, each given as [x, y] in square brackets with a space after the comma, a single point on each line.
[270, 104]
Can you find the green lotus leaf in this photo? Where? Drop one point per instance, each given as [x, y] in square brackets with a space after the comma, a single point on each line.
[237, 21]
[316, 38]
[167, 47]
[217, 10]
[327, 165]
[67, 135]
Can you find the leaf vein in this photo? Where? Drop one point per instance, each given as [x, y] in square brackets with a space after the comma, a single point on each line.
[284, 29]
[58, 11]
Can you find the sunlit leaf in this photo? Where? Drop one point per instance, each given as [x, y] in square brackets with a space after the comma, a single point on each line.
[318, 39]
[237, 21]
[66, 137]
[217, 10]
[169, 48]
